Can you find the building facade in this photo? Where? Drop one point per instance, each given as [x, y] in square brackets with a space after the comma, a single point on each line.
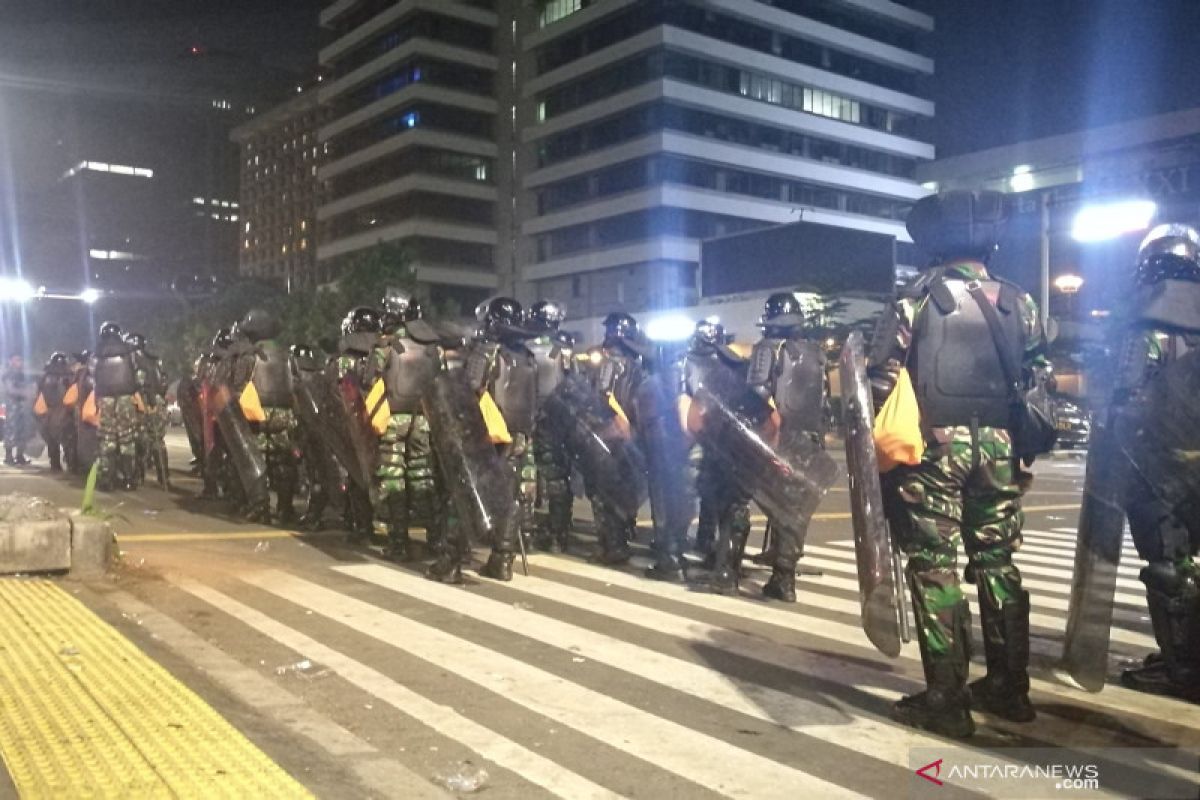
[582, 150]
[280, 193]
[647, 127]
[413, 91]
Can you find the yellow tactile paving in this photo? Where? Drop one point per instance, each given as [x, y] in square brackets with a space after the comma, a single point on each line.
[84, 713]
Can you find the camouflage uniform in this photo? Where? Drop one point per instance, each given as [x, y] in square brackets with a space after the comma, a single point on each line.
[118, 440]
[967, 489]
[277, 439]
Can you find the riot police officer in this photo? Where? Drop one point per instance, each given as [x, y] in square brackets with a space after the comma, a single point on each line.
[628, 373]
[1162, 495]
[271, 376]
[361, 331]
[499, 362]
[55, 415]
[406, 361]
[787, 369]
[152, 388]
[320, 468]
[116, 384]
[555, 354]
[724, 507]
[17, 422]
[213, 467]
[966, 485]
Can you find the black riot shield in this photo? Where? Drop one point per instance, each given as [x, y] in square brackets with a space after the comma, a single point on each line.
[308, 414]
[190, 409]
[878, 593]
[666, 447]
[480, 483]
[1163, 442]
[244, 453]
[344, 428]
[787, 480]
[1097, 555]
[611, 464]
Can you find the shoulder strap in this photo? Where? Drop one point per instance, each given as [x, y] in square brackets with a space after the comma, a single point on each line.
[1012, 372]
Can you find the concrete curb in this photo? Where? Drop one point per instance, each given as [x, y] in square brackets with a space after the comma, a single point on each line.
[81, 546]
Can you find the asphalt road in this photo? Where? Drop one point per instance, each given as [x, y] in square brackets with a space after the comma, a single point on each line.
[362, 679]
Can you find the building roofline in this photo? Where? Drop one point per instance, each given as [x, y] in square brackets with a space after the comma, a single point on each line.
[303, 101]
[1067, 147]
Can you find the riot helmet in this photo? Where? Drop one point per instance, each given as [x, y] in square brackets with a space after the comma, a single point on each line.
[83, 357]
[619, 326]
[709, 332]
[958, 224]
[302, 352]
[782, 310]
[1169, 252]
[399, 308]
[223, 340]
[504, 317]
[109, 331]
[546, 316]
[361, 319]
[137, 341]
[260, 324]
[57, 359]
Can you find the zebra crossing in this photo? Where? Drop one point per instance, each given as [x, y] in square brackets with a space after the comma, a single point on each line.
[583, 681]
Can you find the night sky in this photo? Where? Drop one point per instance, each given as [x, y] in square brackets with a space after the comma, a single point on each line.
[1008, 70]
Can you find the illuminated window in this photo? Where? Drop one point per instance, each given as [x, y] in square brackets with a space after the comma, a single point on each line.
[304, 244]
[247, 226]
[198, 201]
[303, 224]
[541, 111]
[554, 10]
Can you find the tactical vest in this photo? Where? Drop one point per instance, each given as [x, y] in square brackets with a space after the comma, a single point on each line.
[959, 376]
[53, 387]
[410, 369]
[794, 371]
[514, 387]
[357, 344]
[115, 375]
[152, 381]
[272, 377]
[550, 369]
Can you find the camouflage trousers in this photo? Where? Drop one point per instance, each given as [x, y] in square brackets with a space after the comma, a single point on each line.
[706, 472]
[118, 436]
[554, 479]
[276, 438]
[152, 430]
[520, 457]
[964, 491]
[18, 424]
[405, 478]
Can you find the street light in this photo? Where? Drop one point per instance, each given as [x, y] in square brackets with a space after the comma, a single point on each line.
[90, 295]
[1068, 284]
[16, 290]
[1108, 221]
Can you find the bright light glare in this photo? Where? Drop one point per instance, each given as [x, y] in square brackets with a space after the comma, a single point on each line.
[89, 296]
[1108, 221]
[1022, 178]
[674, 328]
[1068, 284]
[16, 290]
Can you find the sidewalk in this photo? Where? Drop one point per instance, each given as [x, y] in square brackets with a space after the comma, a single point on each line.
[87, 714]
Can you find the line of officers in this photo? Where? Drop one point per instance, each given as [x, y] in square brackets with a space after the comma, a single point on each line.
[352, 431]
[411, 422]
[106, 409]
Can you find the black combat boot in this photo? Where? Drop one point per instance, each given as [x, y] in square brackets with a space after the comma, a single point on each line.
[613, 547]
[667, 567]
[498, 566]
[944, 707]
[1004, 691]
[8, 457]
[782, 584]
[1175, 615]
[21, 460]
[726, 564]
[447, 567]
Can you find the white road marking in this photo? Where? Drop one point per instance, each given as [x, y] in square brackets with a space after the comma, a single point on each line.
[667, 745]
[440, 718]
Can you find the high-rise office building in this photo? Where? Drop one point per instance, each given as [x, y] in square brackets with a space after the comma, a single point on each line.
[280, 192]
[411, 94]
[652, 125]
[582, 150]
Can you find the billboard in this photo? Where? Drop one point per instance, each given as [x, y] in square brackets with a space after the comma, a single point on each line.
[801, 255]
